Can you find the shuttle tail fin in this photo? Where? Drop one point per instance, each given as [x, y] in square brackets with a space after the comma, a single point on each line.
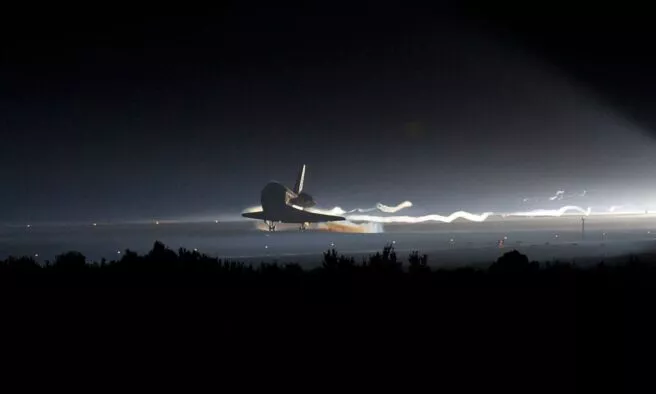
[298, 187]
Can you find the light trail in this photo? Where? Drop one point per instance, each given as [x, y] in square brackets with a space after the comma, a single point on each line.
[420, 219]
[558, 196]
[378, 207]
[552, 212]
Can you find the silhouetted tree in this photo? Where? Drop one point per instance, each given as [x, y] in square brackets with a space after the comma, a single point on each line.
[418, 263]
[513, 262]
[70, 261]
[162, 257]
[22, 264]
[332, 262]
[384, 262]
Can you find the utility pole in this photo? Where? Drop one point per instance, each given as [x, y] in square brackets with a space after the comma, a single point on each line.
[583, 228]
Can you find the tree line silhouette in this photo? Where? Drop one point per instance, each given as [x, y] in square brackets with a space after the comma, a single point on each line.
[160, 260]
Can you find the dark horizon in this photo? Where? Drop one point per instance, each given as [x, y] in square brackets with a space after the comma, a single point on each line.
[449, 106]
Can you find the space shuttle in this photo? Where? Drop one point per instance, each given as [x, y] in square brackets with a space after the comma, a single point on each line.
[282, 205]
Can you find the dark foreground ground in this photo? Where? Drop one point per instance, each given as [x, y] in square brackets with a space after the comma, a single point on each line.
[517, 326]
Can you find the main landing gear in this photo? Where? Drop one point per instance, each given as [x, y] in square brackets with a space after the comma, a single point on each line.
[271, 224]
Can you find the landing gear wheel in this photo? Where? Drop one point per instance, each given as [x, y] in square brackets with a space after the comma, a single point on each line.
[271, 225]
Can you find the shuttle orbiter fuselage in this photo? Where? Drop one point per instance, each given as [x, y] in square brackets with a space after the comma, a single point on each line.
[282, 205]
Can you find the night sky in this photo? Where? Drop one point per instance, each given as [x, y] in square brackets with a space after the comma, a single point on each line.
[117, 116]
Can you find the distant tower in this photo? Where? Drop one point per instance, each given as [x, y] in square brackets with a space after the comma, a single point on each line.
[583, 228]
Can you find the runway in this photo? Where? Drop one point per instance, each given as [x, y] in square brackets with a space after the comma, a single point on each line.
[447, 244]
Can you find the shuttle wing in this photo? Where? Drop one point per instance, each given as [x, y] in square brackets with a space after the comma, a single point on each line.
[254, 215]
[293, 215]
[288, 214]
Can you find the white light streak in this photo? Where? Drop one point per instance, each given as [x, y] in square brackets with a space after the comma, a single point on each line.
[420, 219]
[378, 207]
[553, 212]
[558, 196]
[387, 209]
